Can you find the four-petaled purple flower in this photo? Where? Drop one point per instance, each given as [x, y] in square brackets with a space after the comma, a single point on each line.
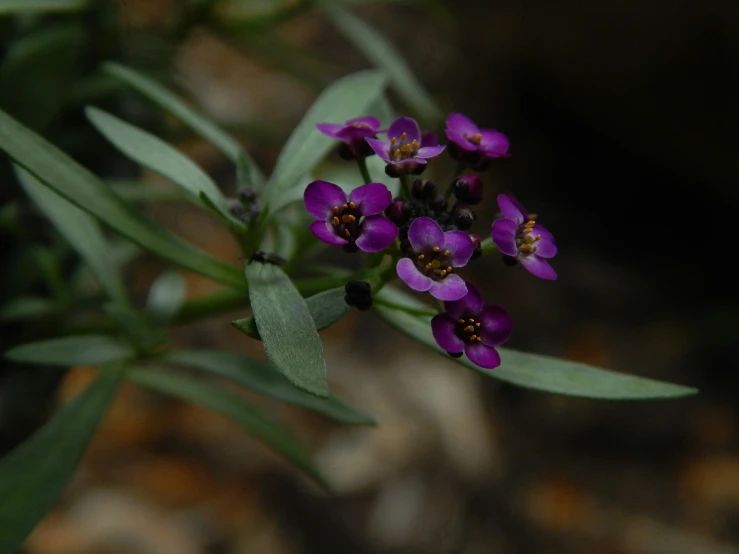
[519, 236]
[352, 134]
[473, 327]
[352, 222]
[435, 255]
[472, 144]
[405, 149]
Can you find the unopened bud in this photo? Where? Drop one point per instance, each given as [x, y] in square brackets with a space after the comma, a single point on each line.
[468, 188]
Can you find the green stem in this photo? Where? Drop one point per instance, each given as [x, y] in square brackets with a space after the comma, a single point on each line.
[488, 247]
[461, 166]
[362, 164]
[404, 185]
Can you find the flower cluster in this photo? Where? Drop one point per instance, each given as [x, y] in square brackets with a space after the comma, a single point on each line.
[426, 228]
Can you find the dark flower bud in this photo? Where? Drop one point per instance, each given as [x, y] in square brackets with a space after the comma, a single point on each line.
[418, 169]
[399, 211]
[237, 210]
[468, 188]
[509, 261]
[438, 204]
[346, 152]
[477, 243]
[417, 210]
[455, 354]
[391, 171]
[423, 189]
[248, 196]
[464, 217]
[350, 248]
[358, 294]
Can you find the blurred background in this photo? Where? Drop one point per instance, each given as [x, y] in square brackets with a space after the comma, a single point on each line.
[622, 116]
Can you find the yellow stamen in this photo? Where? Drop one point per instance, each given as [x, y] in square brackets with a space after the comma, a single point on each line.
[347, 233]
[446, 252]
[436, 248]
[471, 320]
[335, 220]
[473, 337]
[421, 256]
[435, 264]
[469, 329]
[477, 324]
[460, 321]
[335, 209]
[352, 205]
[476, 138]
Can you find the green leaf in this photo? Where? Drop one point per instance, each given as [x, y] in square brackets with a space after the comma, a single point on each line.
[21, 6]
[262, 378]
[59, 172]
[26, 307]
[234, 406]
[38, 71]
[196, 121]
[286, 327]
[378, 49]
[34, 475]
[152, 152]
[531, 370]
[306, 146]
[326, 308]
[81, 231]
[166, 296]
[71, 351]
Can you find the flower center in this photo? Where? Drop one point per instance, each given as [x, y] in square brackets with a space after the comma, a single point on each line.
[526, 239]
[474, 139]
[402, 150]
[360, 125]
[468, 330]
[434, 263]
[346, 221]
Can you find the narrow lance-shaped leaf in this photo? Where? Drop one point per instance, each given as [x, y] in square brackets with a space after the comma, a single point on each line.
[71, 351]
[326, 308]
[152, 152]
[346, 98]
[34, 475]
[230, 404]
[531, 370]
[27, 6]
[81, 231]
[190, 117]
[62, 174]
[385, 56]
[286, 327]
[262, 378]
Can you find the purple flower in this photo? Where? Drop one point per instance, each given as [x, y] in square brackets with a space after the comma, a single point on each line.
[472, 327]
[405, 149]
[351, 222]
[435, 253]
[519, 236]
[352, 135]
[472, 144]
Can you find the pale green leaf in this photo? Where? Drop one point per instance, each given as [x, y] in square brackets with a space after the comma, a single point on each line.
[71, 351]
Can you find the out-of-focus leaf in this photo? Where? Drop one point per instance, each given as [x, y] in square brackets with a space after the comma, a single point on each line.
[26, 307]
[264, 379]
[378, 49]
[34, 475]
[531, 370]
[62, 174]
[234, 406]
[152, 152]
[166, 295]
[71, 351]
[343, 100]
[286, 327]
[326, 308]
[37, 72]
[22, 6]
[81, 231]
[196, 121]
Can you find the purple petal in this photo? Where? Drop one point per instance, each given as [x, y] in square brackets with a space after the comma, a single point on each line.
[538, 266]
[429, 139]
[504, 236]
[442, 326]
[470, 305]
[409, 161]
[484, 356]
[320, 197]
[494, 143]
[496, 325]
[460, 141]
[547, 248]
[430, 151]
[353, 134]
[376, 234]
[512, 208]
[380, 147]
[461, 124]
[409, 273]
[424, 233]
[329, 129]
[450, 288]
[370, 121]
[460, 247]
[324, 231]
[405, 125]
[371, 199]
